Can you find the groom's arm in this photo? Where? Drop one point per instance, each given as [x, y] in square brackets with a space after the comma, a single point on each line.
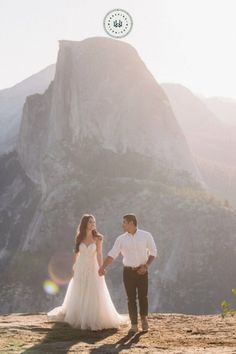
[152, 254]
[108, 260]
[112, 254]
[152, 249]
[149, 261]
[144, 267]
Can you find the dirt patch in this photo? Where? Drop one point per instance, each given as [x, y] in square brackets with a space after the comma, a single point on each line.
[169, 333]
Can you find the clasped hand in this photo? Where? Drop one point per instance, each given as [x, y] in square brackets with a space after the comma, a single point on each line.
[101, 271]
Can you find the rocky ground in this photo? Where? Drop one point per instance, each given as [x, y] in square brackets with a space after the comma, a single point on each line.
[169, 333]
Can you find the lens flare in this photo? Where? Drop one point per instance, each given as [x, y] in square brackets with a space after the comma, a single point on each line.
[50, 287]
[60, 268]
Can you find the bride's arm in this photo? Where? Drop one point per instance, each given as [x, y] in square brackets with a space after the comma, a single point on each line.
[75, 256]
[99, 251]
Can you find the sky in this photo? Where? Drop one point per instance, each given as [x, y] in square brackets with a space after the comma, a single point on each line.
[190, 42]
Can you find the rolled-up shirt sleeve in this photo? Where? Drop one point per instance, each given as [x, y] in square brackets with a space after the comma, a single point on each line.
[151, 246]
[115, 251]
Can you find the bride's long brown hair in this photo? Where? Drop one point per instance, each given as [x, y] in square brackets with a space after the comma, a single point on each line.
[81, 231]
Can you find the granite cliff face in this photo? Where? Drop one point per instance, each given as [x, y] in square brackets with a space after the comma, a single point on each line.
[105, 100]
[103, 139]
[11, 103]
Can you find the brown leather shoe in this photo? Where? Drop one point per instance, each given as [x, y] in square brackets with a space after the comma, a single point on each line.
[144, 321]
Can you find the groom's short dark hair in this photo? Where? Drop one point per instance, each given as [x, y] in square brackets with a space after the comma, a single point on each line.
[131, 217]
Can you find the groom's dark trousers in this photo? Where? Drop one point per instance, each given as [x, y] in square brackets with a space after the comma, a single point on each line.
[136, 283]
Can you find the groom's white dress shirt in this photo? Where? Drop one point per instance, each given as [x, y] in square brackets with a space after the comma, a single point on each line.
[135, 249]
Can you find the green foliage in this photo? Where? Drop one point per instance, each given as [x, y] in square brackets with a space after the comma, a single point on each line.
[225, 306]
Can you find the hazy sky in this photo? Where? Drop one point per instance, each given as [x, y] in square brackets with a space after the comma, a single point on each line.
[191, 42]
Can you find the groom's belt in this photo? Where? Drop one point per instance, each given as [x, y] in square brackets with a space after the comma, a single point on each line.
[132, 268]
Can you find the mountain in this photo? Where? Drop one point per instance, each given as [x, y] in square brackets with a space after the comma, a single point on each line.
[114, 107]
[223, 107]
[211, 140]
[103, 139]
[11, 103]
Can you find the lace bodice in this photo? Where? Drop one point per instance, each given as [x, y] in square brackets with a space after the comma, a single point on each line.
[91, 248]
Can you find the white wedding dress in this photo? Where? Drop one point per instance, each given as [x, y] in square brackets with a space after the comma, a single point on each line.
[87, 303]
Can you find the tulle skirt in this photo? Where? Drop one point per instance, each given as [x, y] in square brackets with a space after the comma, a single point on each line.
[87, 303]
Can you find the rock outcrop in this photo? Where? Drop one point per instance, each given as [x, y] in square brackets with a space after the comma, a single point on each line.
[103, 100]
[169, 333]
[12, 100]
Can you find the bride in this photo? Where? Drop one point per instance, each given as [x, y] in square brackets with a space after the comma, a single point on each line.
[87, 303]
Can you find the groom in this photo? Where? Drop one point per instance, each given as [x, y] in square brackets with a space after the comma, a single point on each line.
[138, 250]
